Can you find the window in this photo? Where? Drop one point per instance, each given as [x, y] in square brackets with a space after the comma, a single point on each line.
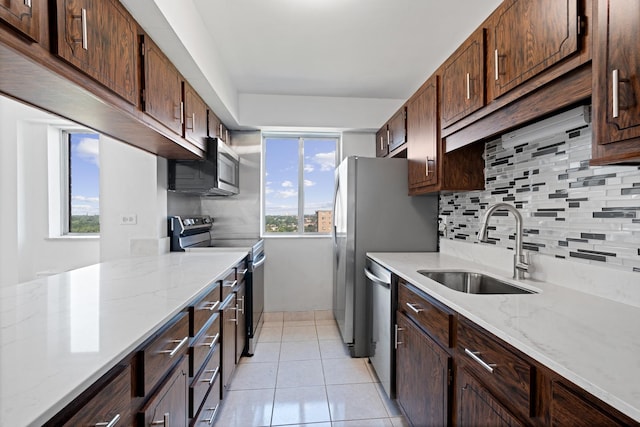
[81, 183]
[299, 183]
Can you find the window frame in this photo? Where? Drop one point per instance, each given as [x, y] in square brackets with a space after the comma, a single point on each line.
[301, 136]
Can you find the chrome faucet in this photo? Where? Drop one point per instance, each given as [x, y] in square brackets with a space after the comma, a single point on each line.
[520, 264]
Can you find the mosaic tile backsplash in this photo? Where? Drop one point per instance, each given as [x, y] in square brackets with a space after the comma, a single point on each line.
[570, 209]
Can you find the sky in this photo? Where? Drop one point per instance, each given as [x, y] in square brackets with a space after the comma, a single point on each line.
[85, 174]
[281, 175]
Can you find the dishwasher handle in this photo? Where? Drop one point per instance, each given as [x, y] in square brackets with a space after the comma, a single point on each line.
[376, 279]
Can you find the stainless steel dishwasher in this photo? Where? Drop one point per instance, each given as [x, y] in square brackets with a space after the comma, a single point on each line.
[381, 354]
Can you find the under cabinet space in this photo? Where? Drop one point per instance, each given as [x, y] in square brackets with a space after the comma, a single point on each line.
[162, 353]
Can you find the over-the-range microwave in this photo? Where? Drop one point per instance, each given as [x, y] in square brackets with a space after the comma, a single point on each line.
[217, 175]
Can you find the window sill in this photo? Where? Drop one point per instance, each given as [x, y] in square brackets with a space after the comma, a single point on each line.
[74, 237]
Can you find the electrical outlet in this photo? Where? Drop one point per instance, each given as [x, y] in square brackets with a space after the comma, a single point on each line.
[128, 219]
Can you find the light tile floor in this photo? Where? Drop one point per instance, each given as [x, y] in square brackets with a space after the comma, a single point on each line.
[302, 375]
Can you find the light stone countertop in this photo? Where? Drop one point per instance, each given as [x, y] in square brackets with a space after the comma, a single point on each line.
[589, 340]
[60, 334]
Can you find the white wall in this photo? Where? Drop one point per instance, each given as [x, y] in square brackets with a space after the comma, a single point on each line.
[358, 144]
[298, 274]
[26, 250]
[132, 182]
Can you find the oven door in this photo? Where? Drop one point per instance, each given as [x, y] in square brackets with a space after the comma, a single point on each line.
[228, 169]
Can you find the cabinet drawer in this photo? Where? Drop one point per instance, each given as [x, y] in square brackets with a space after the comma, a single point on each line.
[209, 409]
[112, 402]
[241, 271]
[201, 348]
[502, 372]
[436, 319]
[201, 312]
[163, 352]
[203, 382]
[228, 284]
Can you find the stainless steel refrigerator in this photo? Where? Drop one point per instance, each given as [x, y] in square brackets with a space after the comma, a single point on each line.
[373, 213]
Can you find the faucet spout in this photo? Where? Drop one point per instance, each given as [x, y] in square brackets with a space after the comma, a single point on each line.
[520, 264]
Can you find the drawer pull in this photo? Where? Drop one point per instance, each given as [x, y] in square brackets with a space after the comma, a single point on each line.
[27, 3]
[83, 18]
[243, 272]
[474, 355]
[616, 93]
[213, 416]
[210, 380]
[163, 422]
[173, 352]
[241, 305]
[413, 307]
[111, 423]
[210, 305]
[213, 342]
[229, 284]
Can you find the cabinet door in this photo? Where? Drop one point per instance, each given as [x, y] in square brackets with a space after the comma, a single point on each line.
[423, 136]
[241, 333]
[23, 15]
[382, 142]
[398, 129]
[422, 376]
[463, 80]
[229, 320]
[168, 406]
[214, 125]
[195, 117]
[100, 38]
[530, 36]
[162, 87]
[476, 407]
[616, 76]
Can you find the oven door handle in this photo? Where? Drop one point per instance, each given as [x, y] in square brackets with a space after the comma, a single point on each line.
[260, 261]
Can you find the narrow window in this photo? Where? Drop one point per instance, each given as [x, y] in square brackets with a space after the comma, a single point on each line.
[83, 183]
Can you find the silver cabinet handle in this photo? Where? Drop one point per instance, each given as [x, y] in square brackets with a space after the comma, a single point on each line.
[495, 57]
[229, 284]
[413, 307]
[213, 416]
[381, 143]
[111, 423]
[236, 319]
[83, 19]
[396, 342]
[226, 136]
[468, 86]
[388, 137]
[220, 131]
[213, 342]
[181, 112]
[164, 421]
[474, 355]
[243, 272]
[193, 122]
[28, 4]
[210, 305]
[615, 89]
[241, 305]
[426, 166]
[210, 380]
[177, 348]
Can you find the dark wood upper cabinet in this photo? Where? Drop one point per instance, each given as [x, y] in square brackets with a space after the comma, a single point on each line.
[463, 90]
[23, 15]
[527, 37]
[382, 141]
[99, 37]
[162, 96]
[398, 129]
[423, 136]
[213, 127]
[195, 117]
[616, 82]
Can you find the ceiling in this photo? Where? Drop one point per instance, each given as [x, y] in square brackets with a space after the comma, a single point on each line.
[376, 50]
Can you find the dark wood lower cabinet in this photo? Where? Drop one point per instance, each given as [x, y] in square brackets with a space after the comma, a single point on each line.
[423, 370]
[476, 407]
[241, 332]
[229, 322]
[168, 406]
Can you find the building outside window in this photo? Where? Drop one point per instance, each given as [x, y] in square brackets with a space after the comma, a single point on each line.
[298, 185]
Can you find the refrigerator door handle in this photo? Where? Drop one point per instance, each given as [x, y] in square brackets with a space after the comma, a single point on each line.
[335, 209]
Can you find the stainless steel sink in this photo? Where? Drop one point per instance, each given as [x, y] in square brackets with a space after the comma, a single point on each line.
[473, 283]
